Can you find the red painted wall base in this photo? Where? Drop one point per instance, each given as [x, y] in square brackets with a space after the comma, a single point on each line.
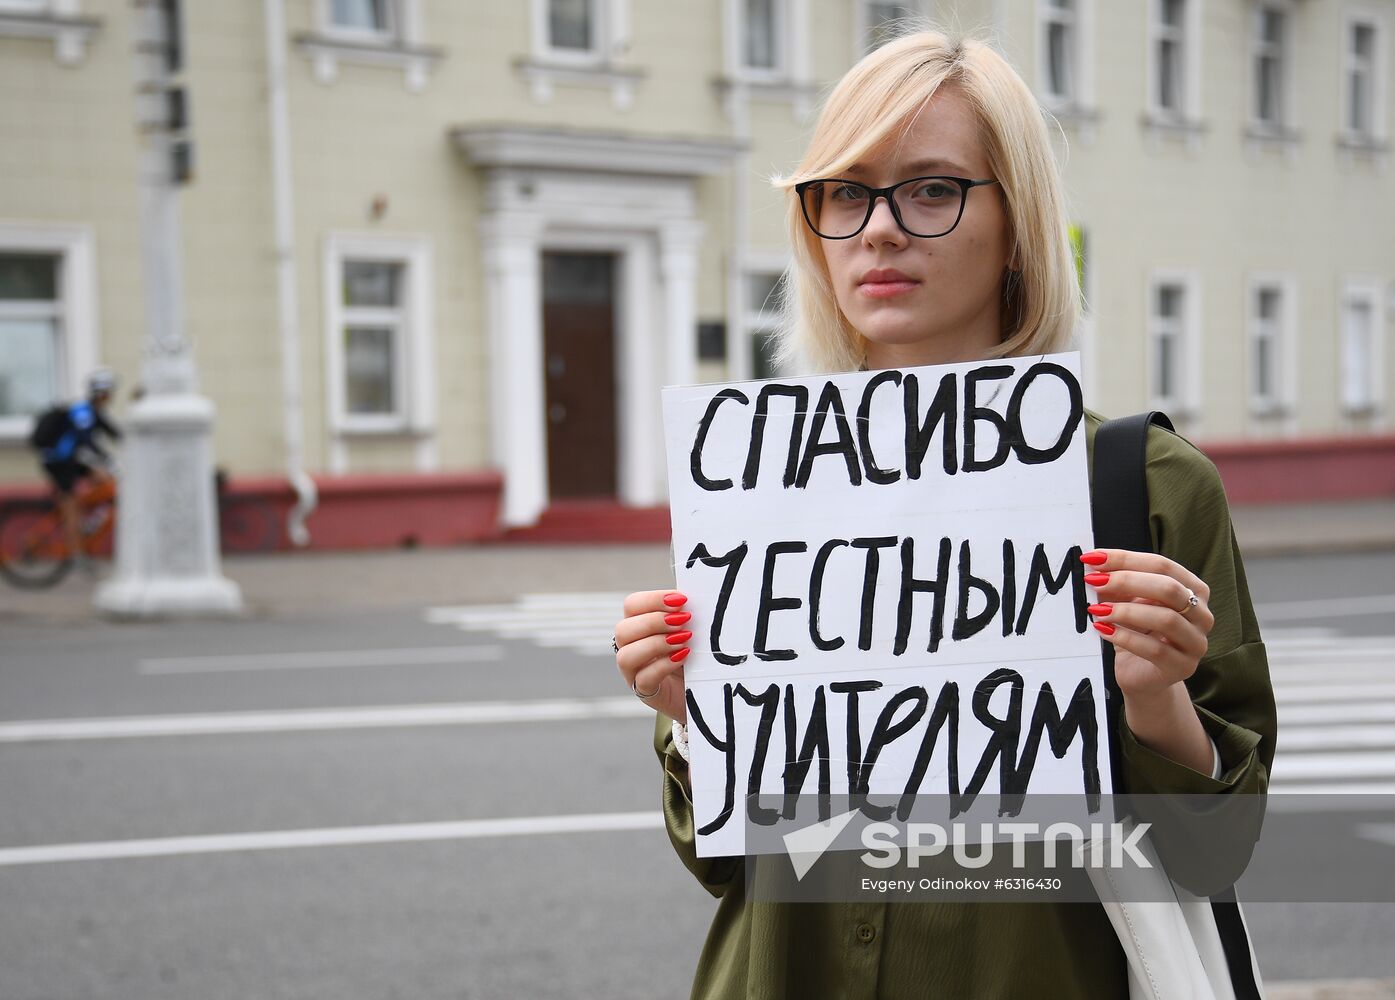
[1308, 469]
[454, 508]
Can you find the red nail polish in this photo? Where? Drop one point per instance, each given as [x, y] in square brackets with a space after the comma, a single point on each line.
[679, 655]
[1104, 627]
[675, 600]
[678, 638]
[1097, 579]
[1094, 558]
[677, 618]
[1101, 610]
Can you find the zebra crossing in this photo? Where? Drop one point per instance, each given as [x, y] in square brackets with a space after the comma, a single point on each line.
[1335, 692]
[1336, 701]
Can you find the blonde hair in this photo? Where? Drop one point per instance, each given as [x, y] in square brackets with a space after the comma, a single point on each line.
[879, 99]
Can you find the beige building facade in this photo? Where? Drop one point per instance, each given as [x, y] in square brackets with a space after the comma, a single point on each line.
[509, 224]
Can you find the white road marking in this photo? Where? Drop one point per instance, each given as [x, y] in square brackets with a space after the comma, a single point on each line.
[1335, 715]
[397, 833]
[1336, 737]
[1326, 607]
[301, 720]
[1312, 693]
[319, 659]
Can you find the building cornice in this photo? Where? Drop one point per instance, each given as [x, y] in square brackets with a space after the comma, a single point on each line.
[70, 35]
[612, 152]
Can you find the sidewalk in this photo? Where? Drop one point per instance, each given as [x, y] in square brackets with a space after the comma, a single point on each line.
[330, 583]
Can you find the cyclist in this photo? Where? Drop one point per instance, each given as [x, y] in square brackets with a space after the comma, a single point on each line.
[66, 438]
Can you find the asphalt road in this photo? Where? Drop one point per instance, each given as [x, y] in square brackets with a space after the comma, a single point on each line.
[403, 882]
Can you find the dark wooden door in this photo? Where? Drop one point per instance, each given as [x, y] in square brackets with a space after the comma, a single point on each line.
[579, 367]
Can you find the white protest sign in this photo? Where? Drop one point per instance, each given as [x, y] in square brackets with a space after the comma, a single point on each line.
[883, 570]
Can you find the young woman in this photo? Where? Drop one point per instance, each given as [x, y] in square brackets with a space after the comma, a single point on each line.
[928, 227]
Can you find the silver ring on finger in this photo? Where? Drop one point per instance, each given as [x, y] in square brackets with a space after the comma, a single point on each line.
[642, 696]
[614, 644]
[1192, 601]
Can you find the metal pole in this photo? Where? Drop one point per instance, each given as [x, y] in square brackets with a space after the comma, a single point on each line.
[292, 407]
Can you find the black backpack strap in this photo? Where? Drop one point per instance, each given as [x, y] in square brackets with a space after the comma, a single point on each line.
[1120, 520]
[1119, 513]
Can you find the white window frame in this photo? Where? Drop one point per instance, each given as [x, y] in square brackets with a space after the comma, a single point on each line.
[396, 11]
[400, 48]
[1282, 398]
[416, 350]
[1378, 72]
[1185, 403]
[769, 317]
[1081, 48]
[1190, 40]
[1288, 91]
[609, 18]
[78, 338]
[862, 27]
[1368, 291]
[783, 31]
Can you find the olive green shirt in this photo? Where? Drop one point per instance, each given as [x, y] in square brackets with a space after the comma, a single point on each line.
[1000, 950]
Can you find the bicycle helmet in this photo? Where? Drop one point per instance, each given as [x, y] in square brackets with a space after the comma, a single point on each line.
[102, 380]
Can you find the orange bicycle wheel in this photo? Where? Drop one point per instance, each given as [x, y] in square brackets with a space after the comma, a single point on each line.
[33, 552]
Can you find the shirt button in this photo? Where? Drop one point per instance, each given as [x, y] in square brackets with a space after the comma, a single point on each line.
[865, 933]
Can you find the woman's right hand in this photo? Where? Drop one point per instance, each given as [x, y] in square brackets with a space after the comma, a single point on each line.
[653, 639]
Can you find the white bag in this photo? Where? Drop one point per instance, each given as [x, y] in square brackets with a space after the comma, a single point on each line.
[1175, 948]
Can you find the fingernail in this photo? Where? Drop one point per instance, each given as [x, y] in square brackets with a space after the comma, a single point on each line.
[1094, 558]
[1101, 610]
[675, 600]
[677, 618]
[678, 638]
[679, 655]
[1097, 579]
[1104, 628]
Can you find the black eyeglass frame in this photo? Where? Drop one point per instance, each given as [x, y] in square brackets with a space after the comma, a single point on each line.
[964, 184]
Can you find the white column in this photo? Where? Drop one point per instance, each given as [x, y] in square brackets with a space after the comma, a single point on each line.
[642, 473]
[678, 248]
[513, 293]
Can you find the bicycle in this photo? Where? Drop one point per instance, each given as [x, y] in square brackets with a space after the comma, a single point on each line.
[34, 551]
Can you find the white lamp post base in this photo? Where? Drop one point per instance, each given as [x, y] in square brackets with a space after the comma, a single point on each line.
[167, 558]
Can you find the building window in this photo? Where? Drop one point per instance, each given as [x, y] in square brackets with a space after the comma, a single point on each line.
[1060, 51]
[762, 312]
[880, 21]
[1170, 57]
[380, 351]
[1362, 364]
[1172, 339]
[374, 339]
[48, 326]
[1363, 85]
[1270, 337]
[1271, 99]
[573, 26]
[762, 28]
[31, 348]
[370, 19]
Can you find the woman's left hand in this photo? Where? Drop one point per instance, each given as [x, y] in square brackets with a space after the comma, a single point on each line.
[1143, 605]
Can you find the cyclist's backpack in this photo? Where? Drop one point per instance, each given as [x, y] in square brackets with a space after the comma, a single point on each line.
[49, 427]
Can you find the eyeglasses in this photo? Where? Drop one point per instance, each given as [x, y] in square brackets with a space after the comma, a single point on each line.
[927, 207]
